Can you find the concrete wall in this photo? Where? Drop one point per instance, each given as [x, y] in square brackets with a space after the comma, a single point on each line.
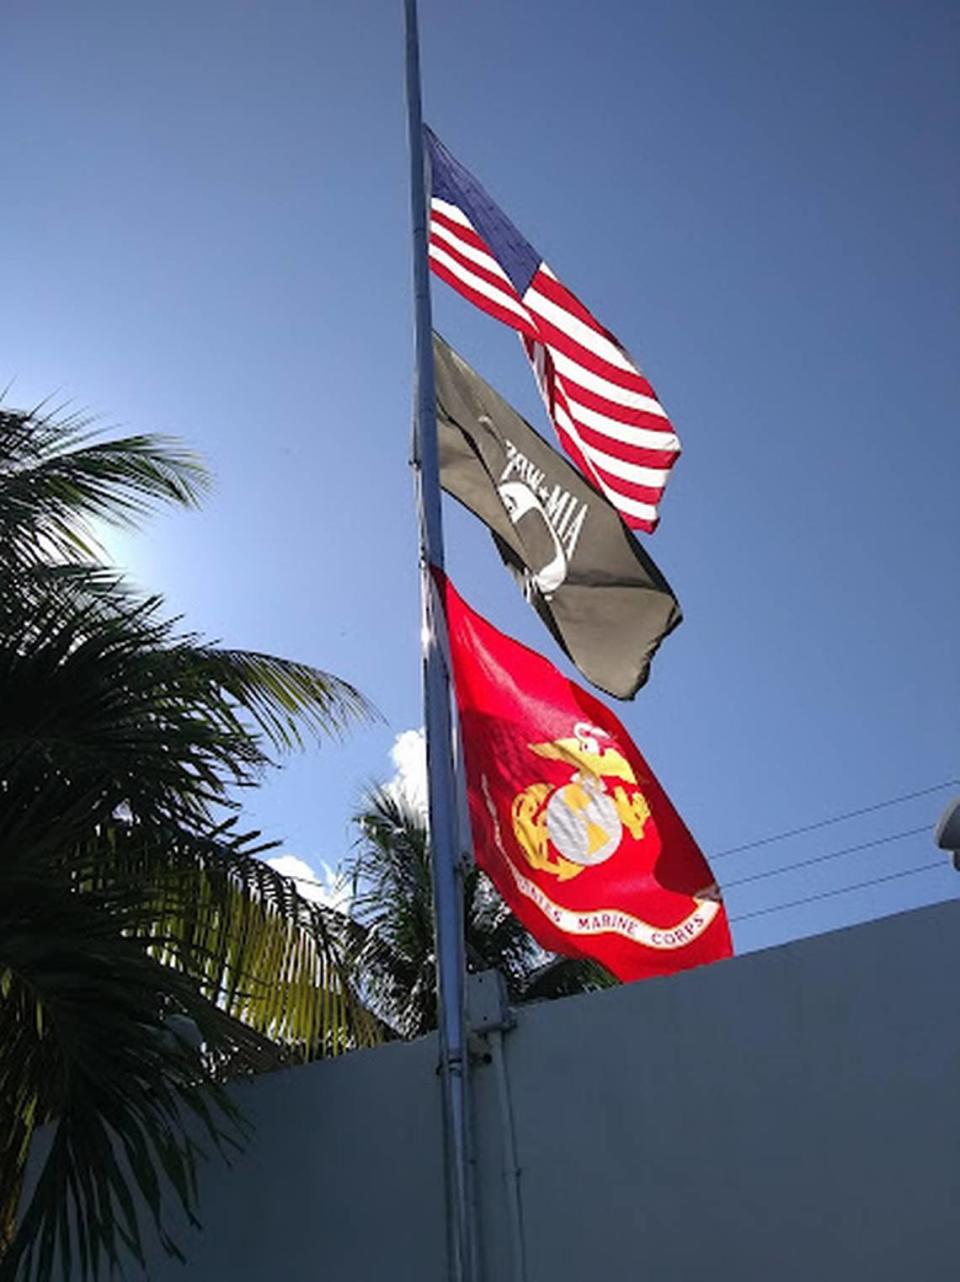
[790, 1114]
[343, 1180]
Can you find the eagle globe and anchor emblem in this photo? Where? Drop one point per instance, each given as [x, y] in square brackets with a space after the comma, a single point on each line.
[565, 828]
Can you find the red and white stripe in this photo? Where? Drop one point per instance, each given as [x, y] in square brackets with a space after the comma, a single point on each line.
[605, 413]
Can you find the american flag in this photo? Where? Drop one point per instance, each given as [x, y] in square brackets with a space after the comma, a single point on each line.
[605, 412]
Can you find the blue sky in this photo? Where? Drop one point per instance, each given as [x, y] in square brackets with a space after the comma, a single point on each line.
[205, 232]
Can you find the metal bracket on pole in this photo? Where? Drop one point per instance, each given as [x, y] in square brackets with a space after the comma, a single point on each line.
[488, 1005]
[489, 1017]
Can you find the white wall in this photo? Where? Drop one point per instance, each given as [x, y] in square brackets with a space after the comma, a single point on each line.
[791, 1114]
[343, 1180]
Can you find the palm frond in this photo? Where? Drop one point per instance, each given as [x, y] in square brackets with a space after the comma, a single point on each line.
[88, 698]
[128, 909]
[100, 951]
[56, 478]
[163, 721]
[391, 937]
[260, 952]
[86, 1047]
[284, 697]
[564, 976]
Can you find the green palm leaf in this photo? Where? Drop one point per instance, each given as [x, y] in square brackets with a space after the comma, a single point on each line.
[391, 937]
[163, 722]
[130, 909]
[101, 942]
[87, 1046]
[56, 478]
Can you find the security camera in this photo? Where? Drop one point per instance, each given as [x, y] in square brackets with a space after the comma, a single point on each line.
[947, 832]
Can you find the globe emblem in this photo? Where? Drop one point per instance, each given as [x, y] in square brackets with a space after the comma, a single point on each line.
[583, 823]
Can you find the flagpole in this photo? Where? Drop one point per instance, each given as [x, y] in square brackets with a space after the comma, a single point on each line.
[446, 865]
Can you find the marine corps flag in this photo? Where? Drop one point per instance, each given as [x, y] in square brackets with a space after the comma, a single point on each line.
[595, 588]
[568, 820]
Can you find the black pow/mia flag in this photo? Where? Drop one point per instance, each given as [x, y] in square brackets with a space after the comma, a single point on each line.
[595, 588]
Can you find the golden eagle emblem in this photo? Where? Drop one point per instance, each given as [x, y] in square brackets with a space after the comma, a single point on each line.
[563, 829]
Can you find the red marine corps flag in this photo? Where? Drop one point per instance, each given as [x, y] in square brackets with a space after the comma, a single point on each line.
[568, 820]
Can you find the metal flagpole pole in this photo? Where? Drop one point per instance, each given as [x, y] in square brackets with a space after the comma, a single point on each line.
[447, 869]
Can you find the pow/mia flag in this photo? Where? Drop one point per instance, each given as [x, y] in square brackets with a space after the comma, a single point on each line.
[595, 588]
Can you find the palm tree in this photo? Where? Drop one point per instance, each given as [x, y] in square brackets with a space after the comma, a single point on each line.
[392, 925]
[146, 953]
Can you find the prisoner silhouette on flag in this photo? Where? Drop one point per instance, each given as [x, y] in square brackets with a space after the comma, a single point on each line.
[593, 585]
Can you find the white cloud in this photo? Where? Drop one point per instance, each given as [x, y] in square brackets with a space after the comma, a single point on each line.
[409, 757]
[328, 886]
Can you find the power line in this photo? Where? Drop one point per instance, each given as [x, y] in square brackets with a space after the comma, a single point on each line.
[819, 859]
[793, 832]
[835, 819]
[842, 890]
